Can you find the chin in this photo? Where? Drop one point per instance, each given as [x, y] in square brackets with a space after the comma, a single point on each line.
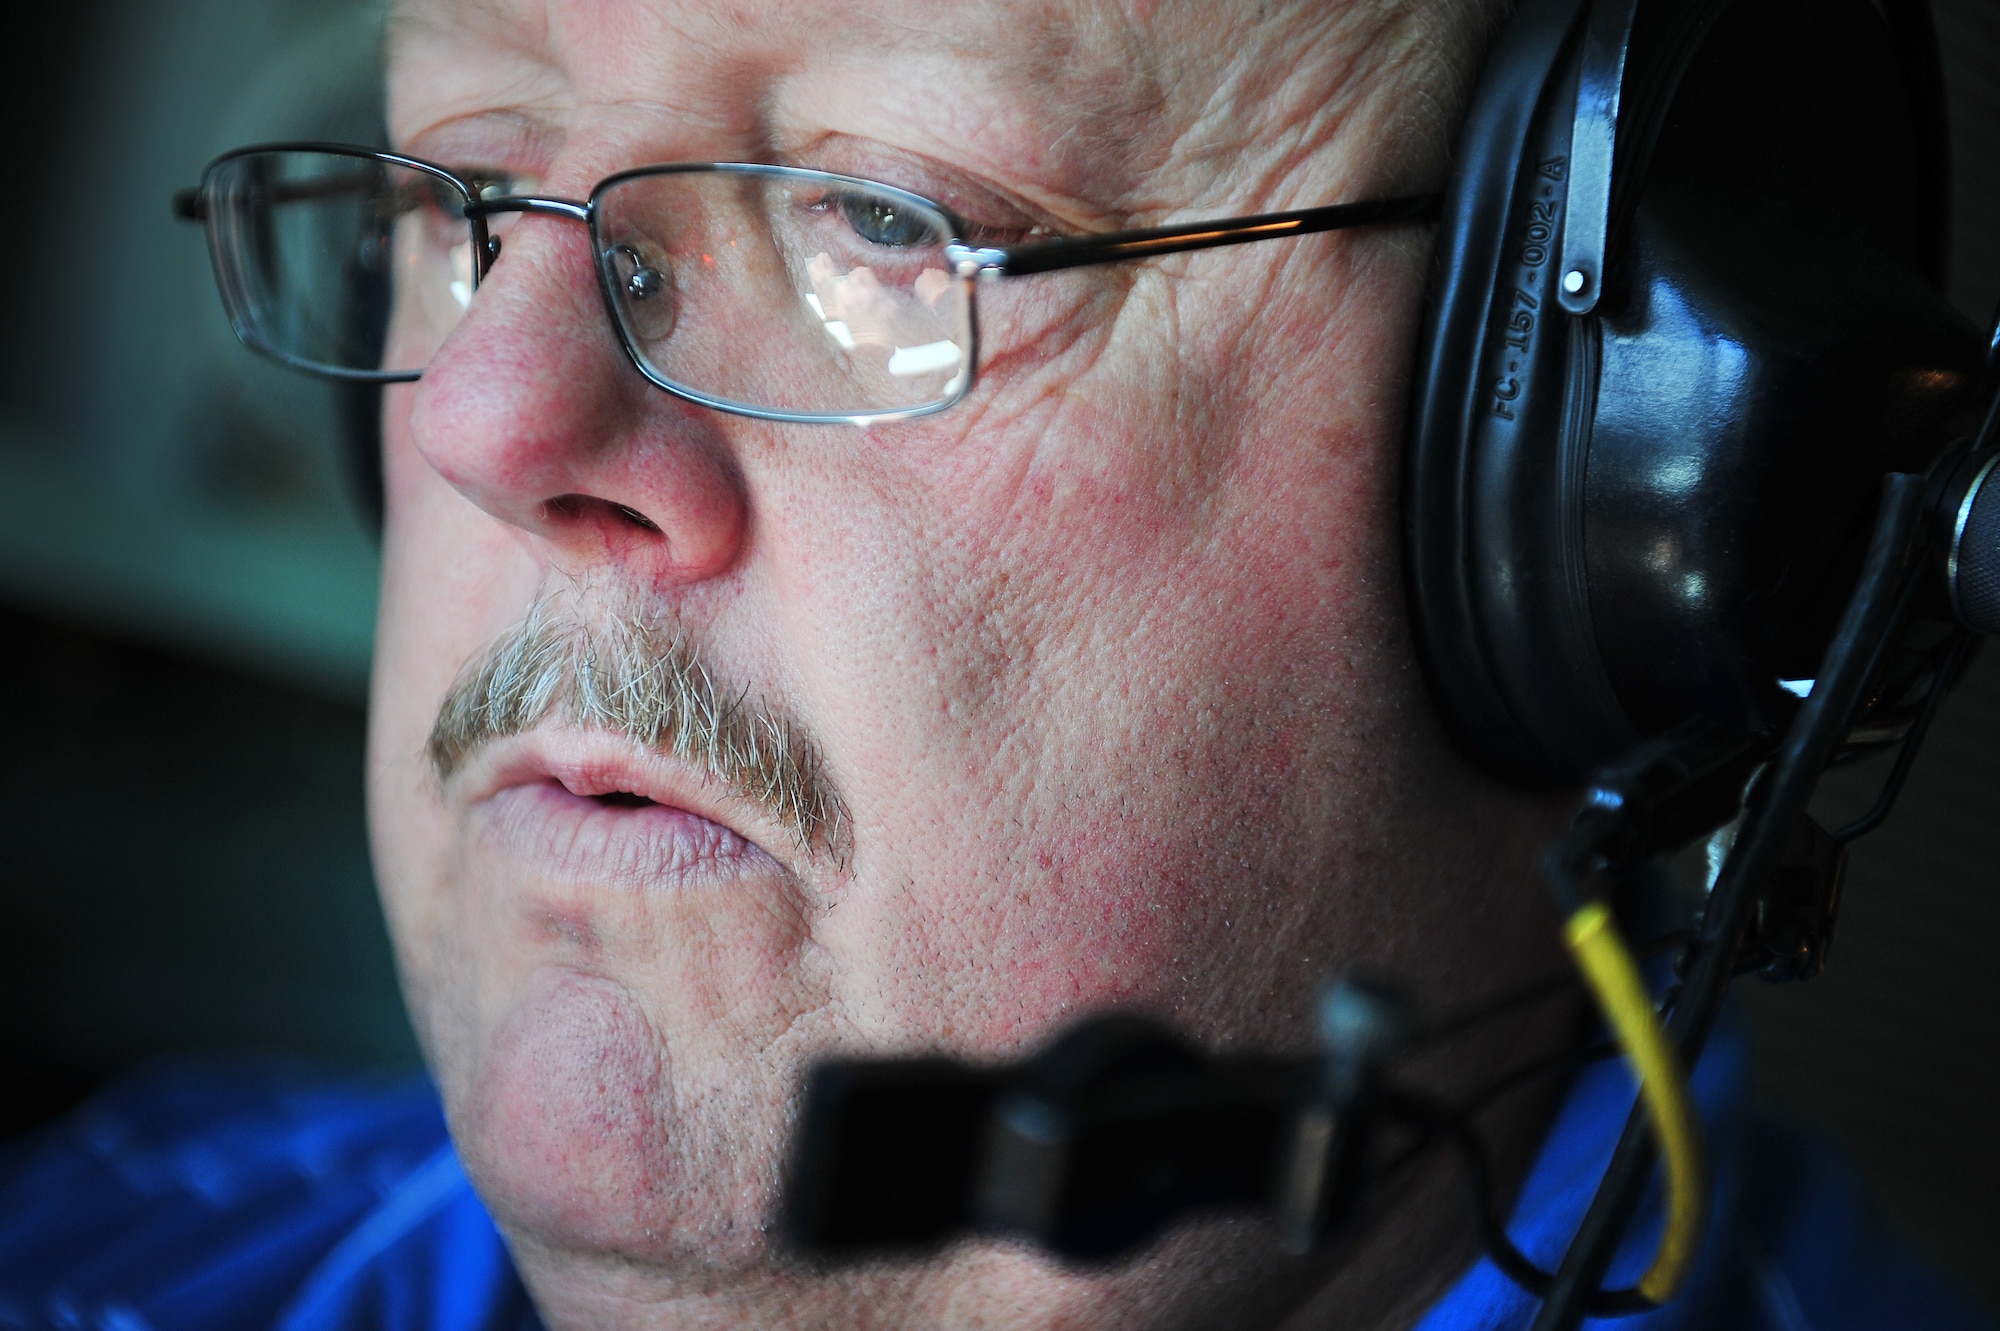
[617, 997]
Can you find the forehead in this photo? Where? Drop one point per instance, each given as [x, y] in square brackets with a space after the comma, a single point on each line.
[1075, 81]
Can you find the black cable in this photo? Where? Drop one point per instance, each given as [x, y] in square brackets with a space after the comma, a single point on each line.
[1938, 664]
[1906, 757]
[1470, 1018]
[1815, 734]
[1493, 1235]
[1433, 1121]
[1508, 1082]
[1529, 1073]
[1437, 1121]
[1867, 713]
[1478, 1014]
[1498, 1244]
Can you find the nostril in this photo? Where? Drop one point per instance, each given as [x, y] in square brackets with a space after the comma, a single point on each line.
[573, 508]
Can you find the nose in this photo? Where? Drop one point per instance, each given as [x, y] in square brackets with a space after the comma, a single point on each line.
[531, 411]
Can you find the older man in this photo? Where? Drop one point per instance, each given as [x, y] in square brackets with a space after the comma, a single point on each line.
[708, 742]
[1092, 690]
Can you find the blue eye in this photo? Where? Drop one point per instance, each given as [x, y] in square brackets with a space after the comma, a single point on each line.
[884, 222]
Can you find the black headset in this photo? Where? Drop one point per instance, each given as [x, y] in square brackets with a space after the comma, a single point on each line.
[1682, 420]
[1686, 366]
[1687, 313]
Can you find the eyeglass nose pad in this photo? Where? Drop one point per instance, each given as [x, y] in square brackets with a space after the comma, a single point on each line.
[645, 291]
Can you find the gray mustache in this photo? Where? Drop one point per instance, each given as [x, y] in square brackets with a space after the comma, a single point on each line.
[627, 675]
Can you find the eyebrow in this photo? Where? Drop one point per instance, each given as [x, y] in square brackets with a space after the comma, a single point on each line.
[495, 30]
[498, 137]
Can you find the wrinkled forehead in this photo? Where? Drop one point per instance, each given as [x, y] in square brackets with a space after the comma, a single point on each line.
[1078, 98]
[753, 76]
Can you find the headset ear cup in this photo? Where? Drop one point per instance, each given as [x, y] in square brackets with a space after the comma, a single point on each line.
[1489, 508]
[1620, 522]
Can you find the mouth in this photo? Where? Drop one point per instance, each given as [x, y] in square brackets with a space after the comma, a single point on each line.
[596, 809]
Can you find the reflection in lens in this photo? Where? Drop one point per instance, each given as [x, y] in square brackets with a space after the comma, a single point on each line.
[837, 329]
[926, 359]
[855, 301]
[857, 310]
[782, 303]
[461, 272]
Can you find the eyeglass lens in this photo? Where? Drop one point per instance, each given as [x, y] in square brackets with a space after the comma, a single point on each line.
[790, 292]
[318, 255]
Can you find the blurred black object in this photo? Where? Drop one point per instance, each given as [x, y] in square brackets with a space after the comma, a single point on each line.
[1089, 1148]
[1095, 1144]
[888, 1155]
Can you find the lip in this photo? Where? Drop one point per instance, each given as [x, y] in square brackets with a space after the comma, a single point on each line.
[547, 797]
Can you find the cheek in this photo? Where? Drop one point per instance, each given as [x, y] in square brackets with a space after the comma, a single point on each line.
[451, 579]
[1106, 780]
[1159, 848]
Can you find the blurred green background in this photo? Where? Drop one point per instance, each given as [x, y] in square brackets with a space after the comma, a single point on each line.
[187, 597]
[186, 594]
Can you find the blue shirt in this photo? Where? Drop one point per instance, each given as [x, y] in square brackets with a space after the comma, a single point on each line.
[231, 1194]
[223, 1194]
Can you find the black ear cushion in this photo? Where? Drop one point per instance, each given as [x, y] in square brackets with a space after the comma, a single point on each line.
[1621, 522]
[1494, 564]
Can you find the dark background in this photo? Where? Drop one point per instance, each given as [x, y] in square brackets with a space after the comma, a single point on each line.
[186, 600]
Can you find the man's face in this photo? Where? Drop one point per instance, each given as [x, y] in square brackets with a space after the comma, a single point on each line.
[1101, 680]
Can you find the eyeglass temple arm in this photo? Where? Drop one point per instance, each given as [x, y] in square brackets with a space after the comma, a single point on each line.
[191, 204]
[1050, 255]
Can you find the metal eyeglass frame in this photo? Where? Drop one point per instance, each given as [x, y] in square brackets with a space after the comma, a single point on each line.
[985, 263]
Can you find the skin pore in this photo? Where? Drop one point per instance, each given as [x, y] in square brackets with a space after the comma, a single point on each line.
[1108, 666]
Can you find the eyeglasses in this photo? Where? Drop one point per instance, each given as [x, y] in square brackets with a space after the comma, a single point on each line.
[767, 291]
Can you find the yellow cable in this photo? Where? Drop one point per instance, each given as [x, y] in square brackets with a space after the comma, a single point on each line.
[1607, 965]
